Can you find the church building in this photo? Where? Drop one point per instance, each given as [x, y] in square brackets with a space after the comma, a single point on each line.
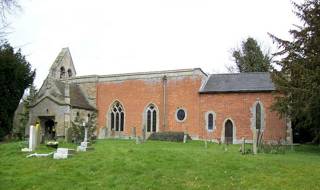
[220, 107]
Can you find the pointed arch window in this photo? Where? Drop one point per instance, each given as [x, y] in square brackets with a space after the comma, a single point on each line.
[69, 73]
[258, 116]
[117, 117]
[62, 72]
[210, 121]
[151, 122]
[210, 118]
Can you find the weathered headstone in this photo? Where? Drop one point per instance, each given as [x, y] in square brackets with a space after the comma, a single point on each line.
[243, 146]
[143, 134]
[102, 133]
[66, 135]
[39, 155]
[205, 144]
[289, 138]
[254, 143]
[38, 134]
[133, 132]
[138, 140]
[185, 138]
[62, 153]
[32, 138]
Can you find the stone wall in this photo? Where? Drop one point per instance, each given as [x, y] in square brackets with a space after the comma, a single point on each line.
[83, 114]
[90, 91]
[48, 108]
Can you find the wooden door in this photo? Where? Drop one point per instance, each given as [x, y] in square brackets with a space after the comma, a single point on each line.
[228, 130]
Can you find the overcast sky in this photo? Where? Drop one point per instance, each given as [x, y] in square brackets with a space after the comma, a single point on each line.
[120, 36]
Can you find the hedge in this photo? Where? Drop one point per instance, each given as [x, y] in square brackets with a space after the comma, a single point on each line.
[168, 136]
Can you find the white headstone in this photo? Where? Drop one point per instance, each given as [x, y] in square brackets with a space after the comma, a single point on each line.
[59, 156]
[32, 138]
[184, 138]
[84, 144]
[85, 134]
[81, 148]
[61, 153]
[62, 150]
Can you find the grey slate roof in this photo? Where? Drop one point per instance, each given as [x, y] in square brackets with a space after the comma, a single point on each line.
[77, 98]
[238, 82]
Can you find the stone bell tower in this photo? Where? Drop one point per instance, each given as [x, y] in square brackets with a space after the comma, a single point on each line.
[62, 68]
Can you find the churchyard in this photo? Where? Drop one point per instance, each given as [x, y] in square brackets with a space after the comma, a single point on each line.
[124, 164]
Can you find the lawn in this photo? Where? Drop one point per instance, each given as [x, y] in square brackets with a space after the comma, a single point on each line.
[122, 164]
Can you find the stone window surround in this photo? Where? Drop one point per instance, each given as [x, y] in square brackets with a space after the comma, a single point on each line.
[69, 71]
[62, 72]
[185, 112]
[207, 121]
[109, 118]
[234, 131]
[253, 116]
[144, 117]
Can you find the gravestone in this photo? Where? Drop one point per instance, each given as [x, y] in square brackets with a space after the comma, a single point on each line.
[185, 137]
[68, 134]
[84, 145]
[254, 143]
[243, 146]
[63, 153]
[133, 132]
[138, 140]
[102, 133]
[289, 138]
[33, 138]
[143, 134]
[38, 131]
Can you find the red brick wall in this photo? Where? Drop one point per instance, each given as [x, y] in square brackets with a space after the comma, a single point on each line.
[237, 106]
[135, 95]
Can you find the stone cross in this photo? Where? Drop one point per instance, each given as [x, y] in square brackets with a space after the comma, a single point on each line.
[85, 132]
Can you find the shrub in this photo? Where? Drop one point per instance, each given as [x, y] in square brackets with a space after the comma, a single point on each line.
[77, 129]
[168, 136]
[276, 147]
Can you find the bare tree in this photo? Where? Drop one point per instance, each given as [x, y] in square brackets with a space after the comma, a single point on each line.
[6, 7]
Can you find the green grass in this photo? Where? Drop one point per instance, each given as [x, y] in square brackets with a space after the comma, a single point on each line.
[122, 164]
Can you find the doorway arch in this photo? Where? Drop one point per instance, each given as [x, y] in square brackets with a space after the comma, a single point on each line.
[49, 129]
[228, 133]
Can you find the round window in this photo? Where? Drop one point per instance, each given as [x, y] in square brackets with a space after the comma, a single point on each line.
[181, 114]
